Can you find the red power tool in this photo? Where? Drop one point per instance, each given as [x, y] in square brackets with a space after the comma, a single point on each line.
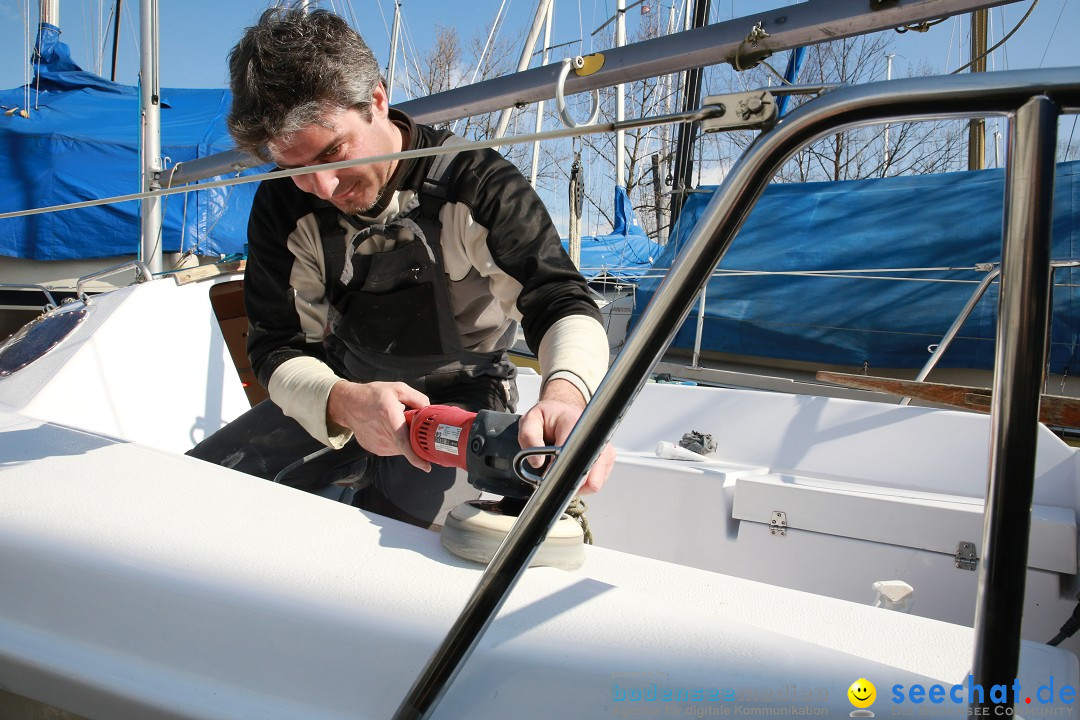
[482, 443]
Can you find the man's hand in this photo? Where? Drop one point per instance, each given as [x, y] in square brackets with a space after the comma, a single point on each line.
[550, 421]
[375, 412]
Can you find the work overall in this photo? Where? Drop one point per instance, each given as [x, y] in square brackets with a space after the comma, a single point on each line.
[390, 319]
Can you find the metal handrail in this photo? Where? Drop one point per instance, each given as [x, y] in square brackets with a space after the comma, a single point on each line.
[965, 313]
[956, 96]
[39, 288]
[142, 274]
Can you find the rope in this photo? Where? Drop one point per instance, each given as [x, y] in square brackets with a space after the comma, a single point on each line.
[576, 509]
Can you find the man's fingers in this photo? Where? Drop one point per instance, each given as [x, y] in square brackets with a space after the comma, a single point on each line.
[413, 458]
[401, 439]
[531, 434]
[410, 396]
[599, 471]
[418, 462]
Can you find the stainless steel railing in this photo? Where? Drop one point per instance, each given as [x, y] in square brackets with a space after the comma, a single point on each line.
[1032, 100]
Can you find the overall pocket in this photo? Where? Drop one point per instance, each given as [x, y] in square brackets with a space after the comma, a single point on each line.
[392, 306]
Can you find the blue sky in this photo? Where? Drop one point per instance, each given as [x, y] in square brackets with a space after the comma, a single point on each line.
[196, 35]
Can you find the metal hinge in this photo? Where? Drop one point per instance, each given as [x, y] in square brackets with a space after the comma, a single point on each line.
[778, 524]
[741, 111]
[965, 557]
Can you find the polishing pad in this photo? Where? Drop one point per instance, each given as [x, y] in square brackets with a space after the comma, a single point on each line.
[474, 531]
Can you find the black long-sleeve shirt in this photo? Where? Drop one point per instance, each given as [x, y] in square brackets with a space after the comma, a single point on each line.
[502, 255]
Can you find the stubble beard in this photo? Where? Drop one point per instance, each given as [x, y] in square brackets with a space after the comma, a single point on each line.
[358, 210]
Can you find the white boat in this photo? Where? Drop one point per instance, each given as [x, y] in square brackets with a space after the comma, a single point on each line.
[143, 583]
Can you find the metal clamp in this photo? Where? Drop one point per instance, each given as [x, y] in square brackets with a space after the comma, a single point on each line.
[142, 274]
[742, 111]
[575, 63]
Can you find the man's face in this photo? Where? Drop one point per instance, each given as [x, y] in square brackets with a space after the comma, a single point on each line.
[343, 135]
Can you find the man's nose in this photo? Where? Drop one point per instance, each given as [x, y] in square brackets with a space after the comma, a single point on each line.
[321, 184]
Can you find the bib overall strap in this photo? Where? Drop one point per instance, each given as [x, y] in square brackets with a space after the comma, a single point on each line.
[332, 239]
[436, 188]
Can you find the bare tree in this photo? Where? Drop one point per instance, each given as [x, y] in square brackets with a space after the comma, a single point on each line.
[905, 148]
[447, 65]
[442, 67]
[1068, 142]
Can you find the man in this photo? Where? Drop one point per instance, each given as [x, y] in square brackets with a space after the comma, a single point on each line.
[390, 285]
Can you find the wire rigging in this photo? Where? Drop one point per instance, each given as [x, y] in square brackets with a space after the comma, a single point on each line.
[493, 34]
[1069, 145]
[105, 38]
[1005, 48]
[406, 34]
[1000, 42]
[1052, 32]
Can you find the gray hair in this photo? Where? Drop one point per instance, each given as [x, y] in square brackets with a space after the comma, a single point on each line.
[290, 70]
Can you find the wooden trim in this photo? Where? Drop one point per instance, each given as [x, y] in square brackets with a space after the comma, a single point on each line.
[204, 272]
[1055, 410]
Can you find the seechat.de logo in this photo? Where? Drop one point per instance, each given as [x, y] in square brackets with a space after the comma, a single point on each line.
[862, 695]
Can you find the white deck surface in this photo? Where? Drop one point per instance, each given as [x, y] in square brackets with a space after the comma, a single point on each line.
[142, 584]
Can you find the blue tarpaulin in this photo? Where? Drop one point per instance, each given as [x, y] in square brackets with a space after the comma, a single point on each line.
[624, 253]
[81, 142]
[881, 318]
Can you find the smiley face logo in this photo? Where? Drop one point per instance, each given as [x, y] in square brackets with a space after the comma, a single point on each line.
[862, 693]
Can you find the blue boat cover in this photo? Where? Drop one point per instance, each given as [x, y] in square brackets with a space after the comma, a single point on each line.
[624, 253]
[81, 142]
[882, 318]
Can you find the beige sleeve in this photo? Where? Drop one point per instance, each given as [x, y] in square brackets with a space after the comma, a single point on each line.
[301, 387]
[307, 278]
[575, 349]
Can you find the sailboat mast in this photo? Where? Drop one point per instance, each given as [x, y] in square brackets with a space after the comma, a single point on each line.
[393, 53]
[115, 40]
[526, 56]
[620, 99]
[977, 126]
[684, 146]
[664, 167]
[50, 12]
[150, 104]
[534, 169]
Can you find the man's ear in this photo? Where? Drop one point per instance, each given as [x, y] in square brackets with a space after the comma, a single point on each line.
[380, 103]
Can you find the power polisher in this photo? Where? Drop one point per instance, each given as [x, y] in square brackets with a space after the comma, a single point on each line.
[485, 444]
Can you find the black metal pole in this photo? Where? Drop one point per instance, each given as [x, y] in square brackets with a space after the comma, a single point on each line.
[684, 145]
[115, 40]
[1019, 363]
